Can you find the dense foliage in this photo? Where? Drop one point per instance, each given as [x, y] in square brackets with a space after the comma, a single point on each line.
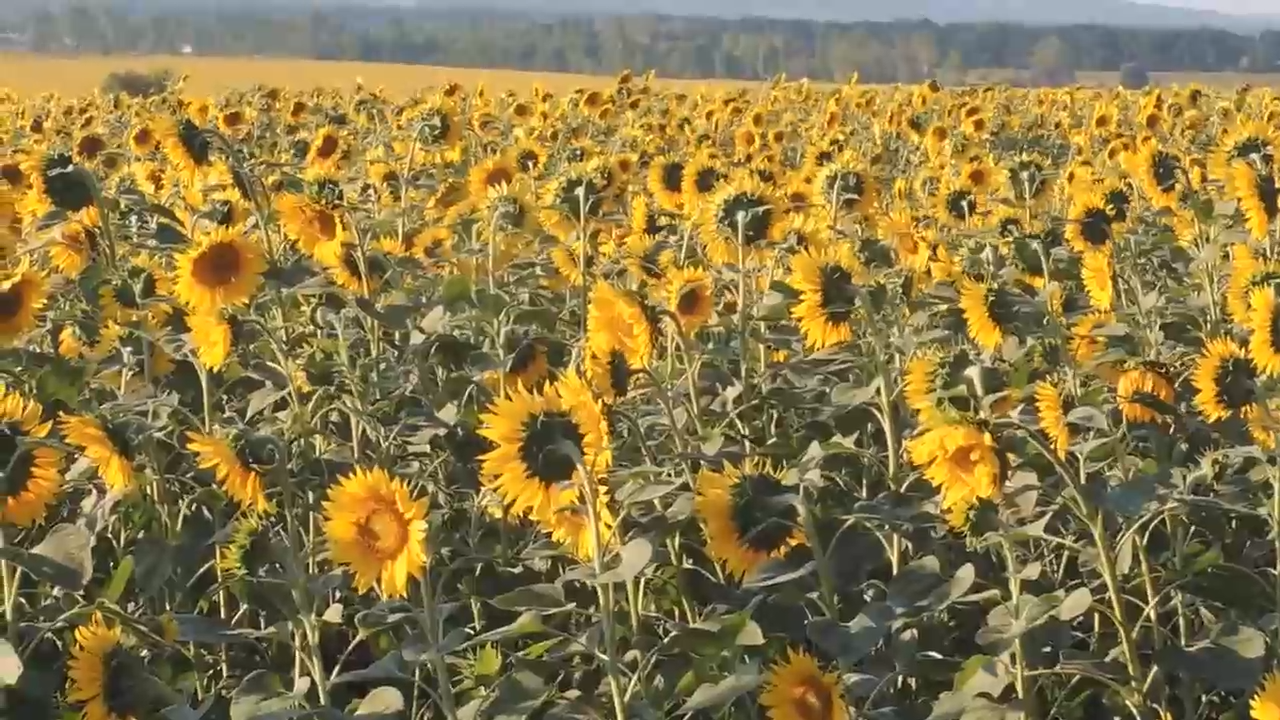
[886, 402]
[674, 47]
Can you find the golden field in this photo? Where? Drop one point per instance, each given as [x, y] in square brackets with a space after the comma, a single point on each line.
[796, 402]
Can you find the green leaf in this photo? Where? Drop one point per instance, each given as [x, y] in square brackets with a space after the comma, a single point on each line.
[10, 665]
[119, 579]
[261, 695]
[542, 596]
[384, 703]
[61, 559]
[456, 289]
[714, 697]
[530, 621]
[209, 631]
[632, 560]
[391, 666]
[1075, 604]
[515, 697]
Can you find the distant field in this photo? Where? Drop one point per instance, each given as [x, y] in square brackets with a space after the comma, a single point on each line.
[32, 74]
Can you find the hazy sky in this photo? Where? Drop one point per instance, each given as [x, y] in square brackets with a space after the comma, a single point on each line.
[1227, 6]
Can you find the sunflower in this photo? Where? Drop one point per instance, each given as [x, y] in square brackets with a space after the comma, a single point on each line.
[56, 182]
[188, 149]
[689, 297]
[528, 157]
[1265, 703]
[376, 529]
[530, 364]
[575, 196]
[701, 178]
[1254, 143]
[665, 182]
[509, 208]
[1052, 408]
[241, 483]
[648, 258]
[103, 673]
[1091, 224]
[1159, 172]
[619, 340]
[491, 173]
[548, 444]
[33, 473]
[987, 310]
[326, 150]
[748, 515]
[22, 296]
[647, 218]
[741, 219]
[221, 269]
[962, 461]
[827, 283]
[959, 204]
[1258, 197]
[210, 337]
[75, 243]
[910, 239]
[797, 689]
[105, 445]
[310, 224]
[142, 139]
[844, 187]
[1095, 274]
[1263, 324]
[1135, 385]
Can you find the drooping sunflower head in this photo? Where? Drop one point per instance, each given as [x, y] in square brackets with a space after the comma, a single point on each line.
[1028, 181]
[1225, 380]
[108, 445]
[844, 187]
[1090, 221]
[1143, 392]
[748, 514]
[959, 204]
[232, 467]
[1096, 269]
[1052, 407]
[326, 150]
[690, 297]
[64, 183]
[104, 674]
[988, 312]
[509, 208]
[1257, 194]
[188, 148]
[741, 219]
[827, 281]
[32, 472]
[377, 530]
[648, 257]
[797, 689]
[23, 291]
[961, 460]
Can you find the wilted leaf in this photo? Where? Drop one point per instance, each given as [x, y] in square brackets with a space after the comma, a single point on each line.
[10, 665]
[384, 703]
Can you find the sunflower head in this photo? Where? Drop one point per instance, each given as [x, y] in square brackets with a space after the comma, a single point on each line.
[748, 514]
[797, 689]
[376, 529]
[66, 184]
[104, 674]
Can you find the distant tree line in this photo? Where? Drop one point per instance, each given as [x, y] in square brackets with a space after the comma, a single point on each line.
[673, 46]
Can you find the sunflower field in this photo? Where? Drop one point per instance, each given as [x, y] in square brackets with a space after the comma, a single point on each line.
[788, 402]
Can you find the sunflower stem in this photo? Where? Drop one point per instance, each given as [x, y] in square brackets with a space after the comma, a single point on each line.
[439, 666]
[604, 595]
[9, 592]
[1275, 534]
[743, 354]
[826, 578]
[1015, 595]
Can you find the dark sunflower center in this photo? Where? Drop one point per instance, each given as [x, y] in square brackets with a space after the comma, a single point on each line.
[1165, 170]
[811, 700]
[576, 154]
[650, 262]
[845, 188]
[839, 293]
[763, 512]
[508, 213]
[217, 266]
[13, 302]
[1236, 383]
[652, 224]
[1000, 306]
[706, 180]
[527, 160]
[747, 216]
[90, 146]
[12, 174]
[194, 142]
[672, 177]
[15, 461]
[498, 176]
[232, 119]
[525, 357]
[690, 301]
[65, 187]
[1253, 148]
[619, 373]
[541, 451]
[435, 127]
[578, 195]
[122, 694]
[1269, 195]
[119, 439]
[1095, 227]
[961, 205]
[327, 147]
[1118, 202]
[143, 137]
[824, 157]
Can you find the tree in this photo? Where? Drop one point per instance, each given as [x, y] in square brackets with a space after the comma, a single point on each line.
[1051, 63]
[1133, 77]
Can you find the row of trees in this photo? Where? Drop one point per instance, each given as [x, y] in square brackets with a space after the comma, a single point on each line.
[674, 47]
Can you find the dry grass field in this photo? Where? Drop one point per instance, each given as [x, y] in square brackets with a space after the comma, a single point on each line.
[69, 75]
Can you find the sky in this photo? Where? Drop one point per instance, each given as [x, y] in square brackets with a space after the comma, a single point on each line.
[1239, 7]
